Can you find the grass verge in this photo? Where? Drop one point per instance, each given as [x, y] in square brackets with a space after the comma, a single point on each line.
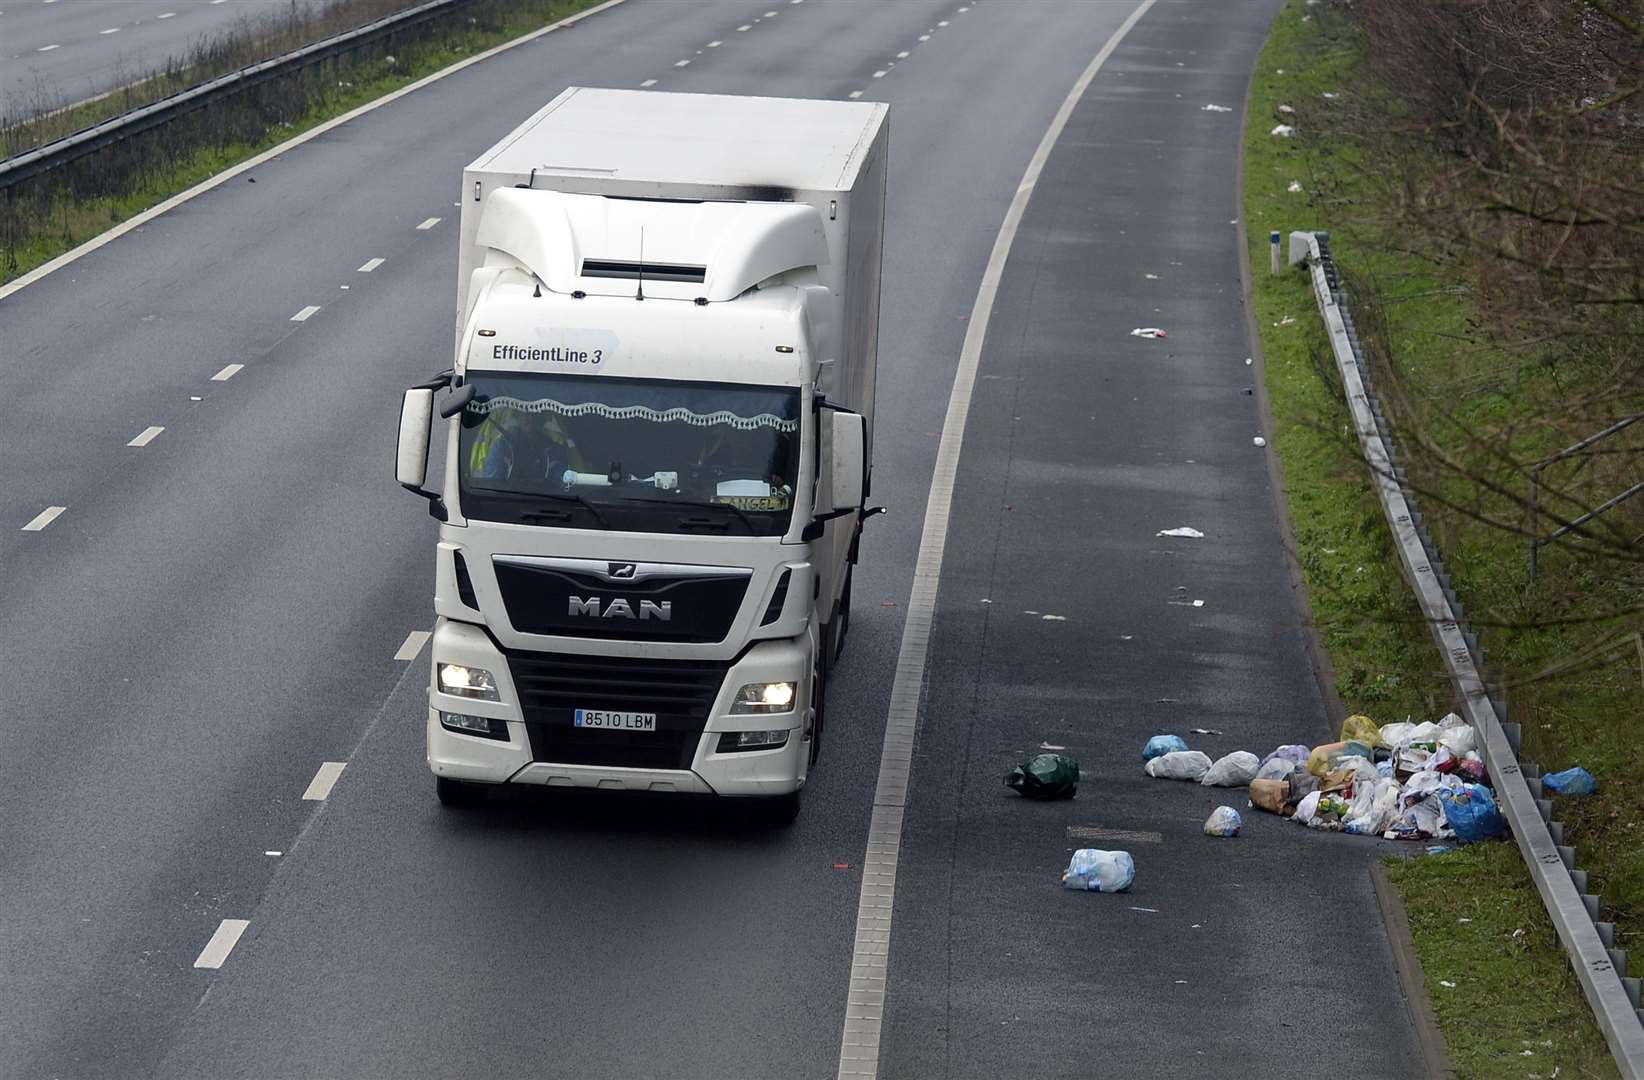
[1513, 992]
[39, 234]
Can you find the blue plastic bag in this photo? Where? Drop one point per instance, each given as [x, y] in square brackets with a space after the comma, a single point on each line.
[1160, 745]
[1472, 813]
[1576, 781]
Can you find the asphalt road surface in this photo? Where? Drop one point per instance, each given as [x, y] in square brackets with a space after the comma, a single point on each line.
[220, 611]
[55, 52]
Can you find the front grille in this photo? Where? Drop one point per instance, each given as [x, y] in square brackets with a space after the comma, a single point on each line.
[552, 686]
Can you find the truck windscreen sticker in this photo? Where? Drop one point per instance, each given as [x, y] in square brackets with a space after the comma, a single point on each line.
[637, 412]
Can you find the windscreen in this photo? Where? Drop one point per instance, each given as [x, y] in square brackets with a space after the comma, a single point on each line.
[638, 455]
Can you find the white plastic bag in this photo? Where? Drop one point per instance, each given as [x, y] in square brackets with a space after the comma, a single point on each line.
[1426, 731]
[1459, 739]
[1178, 765]
[1363, 771]
[1373, 808]
[1092, 870]
[1223, 821]
[1307, 808]
[1393, 734]
[1427, 782]
[1235, 770]
[1277, 769]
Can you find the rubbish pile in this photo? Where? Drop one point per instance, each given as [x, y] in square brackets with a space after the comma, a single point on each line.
[1399, 781]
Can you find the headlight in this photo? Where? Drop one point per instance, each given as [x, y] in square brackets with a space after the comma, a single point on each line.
[764, 697]
[469, 682]
[487, 727]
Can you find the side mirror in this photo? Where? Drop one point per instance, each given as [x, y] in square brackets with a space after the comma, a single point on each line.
[845, 460]
[411, 459]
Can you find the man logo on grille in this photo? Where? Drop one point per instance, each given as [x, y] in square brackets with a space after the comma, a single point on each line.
[594, 607]
[621, 570]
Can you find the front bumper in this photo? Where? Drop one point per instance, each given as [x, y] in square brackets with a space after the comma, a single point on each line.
[520, 757]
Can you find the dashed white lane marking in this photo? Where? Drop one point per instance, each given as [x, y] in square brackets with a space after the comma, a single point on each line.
[429, 224]
[414, 641]
[216, 1]
[370, 265]
[47, 48]
[324, 781]
[228, 931]
[903, 55]
[856, 93]
[870, 955]
[715, 44]
[306, 313]
[880, 74]
[148, 435]
[744, 28]
[681, 63]
[924, 37]
[647, 83]
[166, 15]
[44, 518]
[944, 22]
[110, 30]
[770, 14]
[228, 372]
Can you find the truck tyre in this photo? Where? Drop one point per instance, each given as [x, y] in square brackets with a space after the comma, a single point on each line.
[780, 810]
[819, 711]
[841, 624]
[459, 793]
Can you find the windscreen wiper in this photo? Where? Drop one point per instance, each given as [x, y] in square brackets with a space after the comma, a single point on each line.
[690, 504]
[578, 499]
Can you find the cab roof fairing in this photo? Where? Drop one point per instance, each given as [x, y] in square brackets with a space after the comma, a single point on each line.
[651, 339]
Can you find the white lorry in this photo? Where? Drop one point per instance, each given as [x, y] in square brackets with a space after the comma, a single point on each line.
[658, 443]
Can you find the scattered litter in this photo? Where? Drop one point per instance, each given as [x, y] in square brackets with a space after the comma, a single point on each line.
[1093, 870]
[1181, 982]
[1329, 96]
[1233, 770]
[1151, 277]
[1216, 108]
[1286, 109]
[1447, 984]
[1269, 795]
[1259, 441]
[1472, 813]
[273, 853]
[985, 600]
[1179, 765]
[1183, 531]
[1149, 910]
[1162, 744]
[1360, 728]
[1440, 849]
[1286, 321]
[1148, 332]
[1576, 781]
[1054, 618]
[841, 866]
[1204, 731]
[1051, 746]
[1295, 753]
[1249, 360]
[1045, 776]
[1464, 920]
[1275, 769]
[1284, 131]
[1223, 821]
[1295, 187]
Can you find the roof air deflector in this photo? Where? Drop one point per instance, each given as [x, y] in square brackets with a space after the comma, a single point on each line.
[620, 268]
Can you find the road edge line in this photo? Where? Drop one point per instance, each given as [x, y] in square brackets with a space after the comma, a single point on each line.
[139, 220]
[870, 952]
[1435, 1053]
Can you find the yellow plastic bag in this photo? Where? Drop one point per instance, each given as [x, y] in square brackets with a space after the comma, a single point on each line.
[1361, 728]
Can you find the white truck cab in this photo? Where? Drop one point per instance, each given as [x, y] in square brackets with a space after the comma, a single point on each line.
[658, 438]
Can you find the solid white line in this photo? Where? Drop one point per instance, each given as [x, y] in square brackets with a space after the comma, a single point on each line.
[146, 437]
[47, 48]
[221, 944]
[228, 372]
[370, 265]
[681, 63]
[414, 641]
[865, 1002]
[270, 154]
[429, 224]
[324, 781]
[647, 82]
[44, 518]
[306, 313]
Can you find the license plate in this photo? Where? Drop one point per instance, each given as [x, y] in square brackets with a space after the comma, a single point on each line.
[615, 721]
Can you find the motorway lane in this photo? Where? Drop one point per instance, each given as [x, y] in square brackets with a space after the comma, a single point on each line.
[54, 52]
[215, 614]
[1063, 619]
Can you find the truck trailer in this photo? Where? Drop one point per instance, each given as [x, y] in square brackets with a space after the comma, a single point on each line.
[658, 444]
